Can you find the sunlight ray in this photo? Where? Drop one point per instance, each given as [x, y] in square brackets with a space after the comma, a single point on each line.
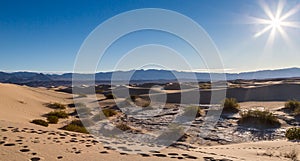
[285, 37]
[271, 39]
[291, 24]
[290, 12]
[259, 20]
[267, 9]
[276, 22]
[263, 31]
[280, 7]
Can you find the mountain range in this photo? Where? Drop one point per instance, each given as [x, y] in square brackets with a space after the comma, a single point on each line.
[152, 75]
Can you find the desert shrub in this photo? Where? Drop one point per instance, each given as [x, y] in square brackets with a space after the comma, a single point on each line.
[52, 119]
[123, 127]
[259, 119]
[293, 106]
[230, 105]
[109, 112]
[109, 96]
[76, 126]
[40, 122]
[193, 111]
[56, 106]
[58, 113]
[293, 133]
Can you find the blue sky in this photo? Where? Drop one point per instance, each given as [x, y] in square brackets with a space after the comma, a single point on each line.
[46, 35]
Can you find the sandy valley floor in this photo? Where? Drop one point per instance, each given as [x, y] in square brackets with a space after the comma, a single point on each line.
[21, 140]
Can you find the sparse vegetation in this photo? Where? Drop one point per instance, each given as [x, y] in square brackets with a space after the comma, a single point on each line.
[58, 113]
[293, 133]
[56, 106]
[293, 106]
[259, 119]
[40, 122]
[123, 127]
[52, 119]
[76, 126]
[109, 112]
[230, 105]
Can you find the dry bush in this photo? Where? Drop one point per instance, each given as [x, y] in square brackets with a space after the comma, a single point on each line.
[58, 113]
[259, 119]
[40, 122]
[76, 126]
[230, 105]
[52, 119]
[293, 106]
[56, 105]
[293, 133]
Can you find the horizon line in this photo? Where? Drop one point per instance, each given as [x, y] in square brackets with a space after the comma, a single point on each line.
[195, 71]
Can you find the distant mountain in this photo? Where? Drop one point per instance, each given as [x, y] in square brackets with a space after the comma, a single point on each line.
[32, 78]
[25, 77]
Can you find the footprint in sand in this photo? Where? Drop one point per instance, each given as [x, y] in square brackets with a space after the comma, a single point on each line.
[9, 144]
[4, 130]
[159, 155]
[144, 155]
[35, 159]
[104, 152]
[154, 151]
[24, 150]
[189, 156]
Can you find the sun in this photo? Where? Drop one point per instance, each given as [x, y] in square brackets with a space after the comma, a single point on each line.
[277, 22]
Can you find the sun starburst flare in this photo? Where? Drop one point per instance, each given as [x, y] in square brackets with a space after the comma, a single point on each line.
[276, 22]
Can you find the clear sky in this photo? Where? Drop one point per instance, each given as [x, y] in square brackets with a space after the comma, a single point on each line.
[46, 35]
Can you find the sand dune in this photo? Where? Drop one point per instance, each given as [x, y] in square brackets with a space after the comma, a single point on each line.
[21, 140]
[265, 92]
[22, 103]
